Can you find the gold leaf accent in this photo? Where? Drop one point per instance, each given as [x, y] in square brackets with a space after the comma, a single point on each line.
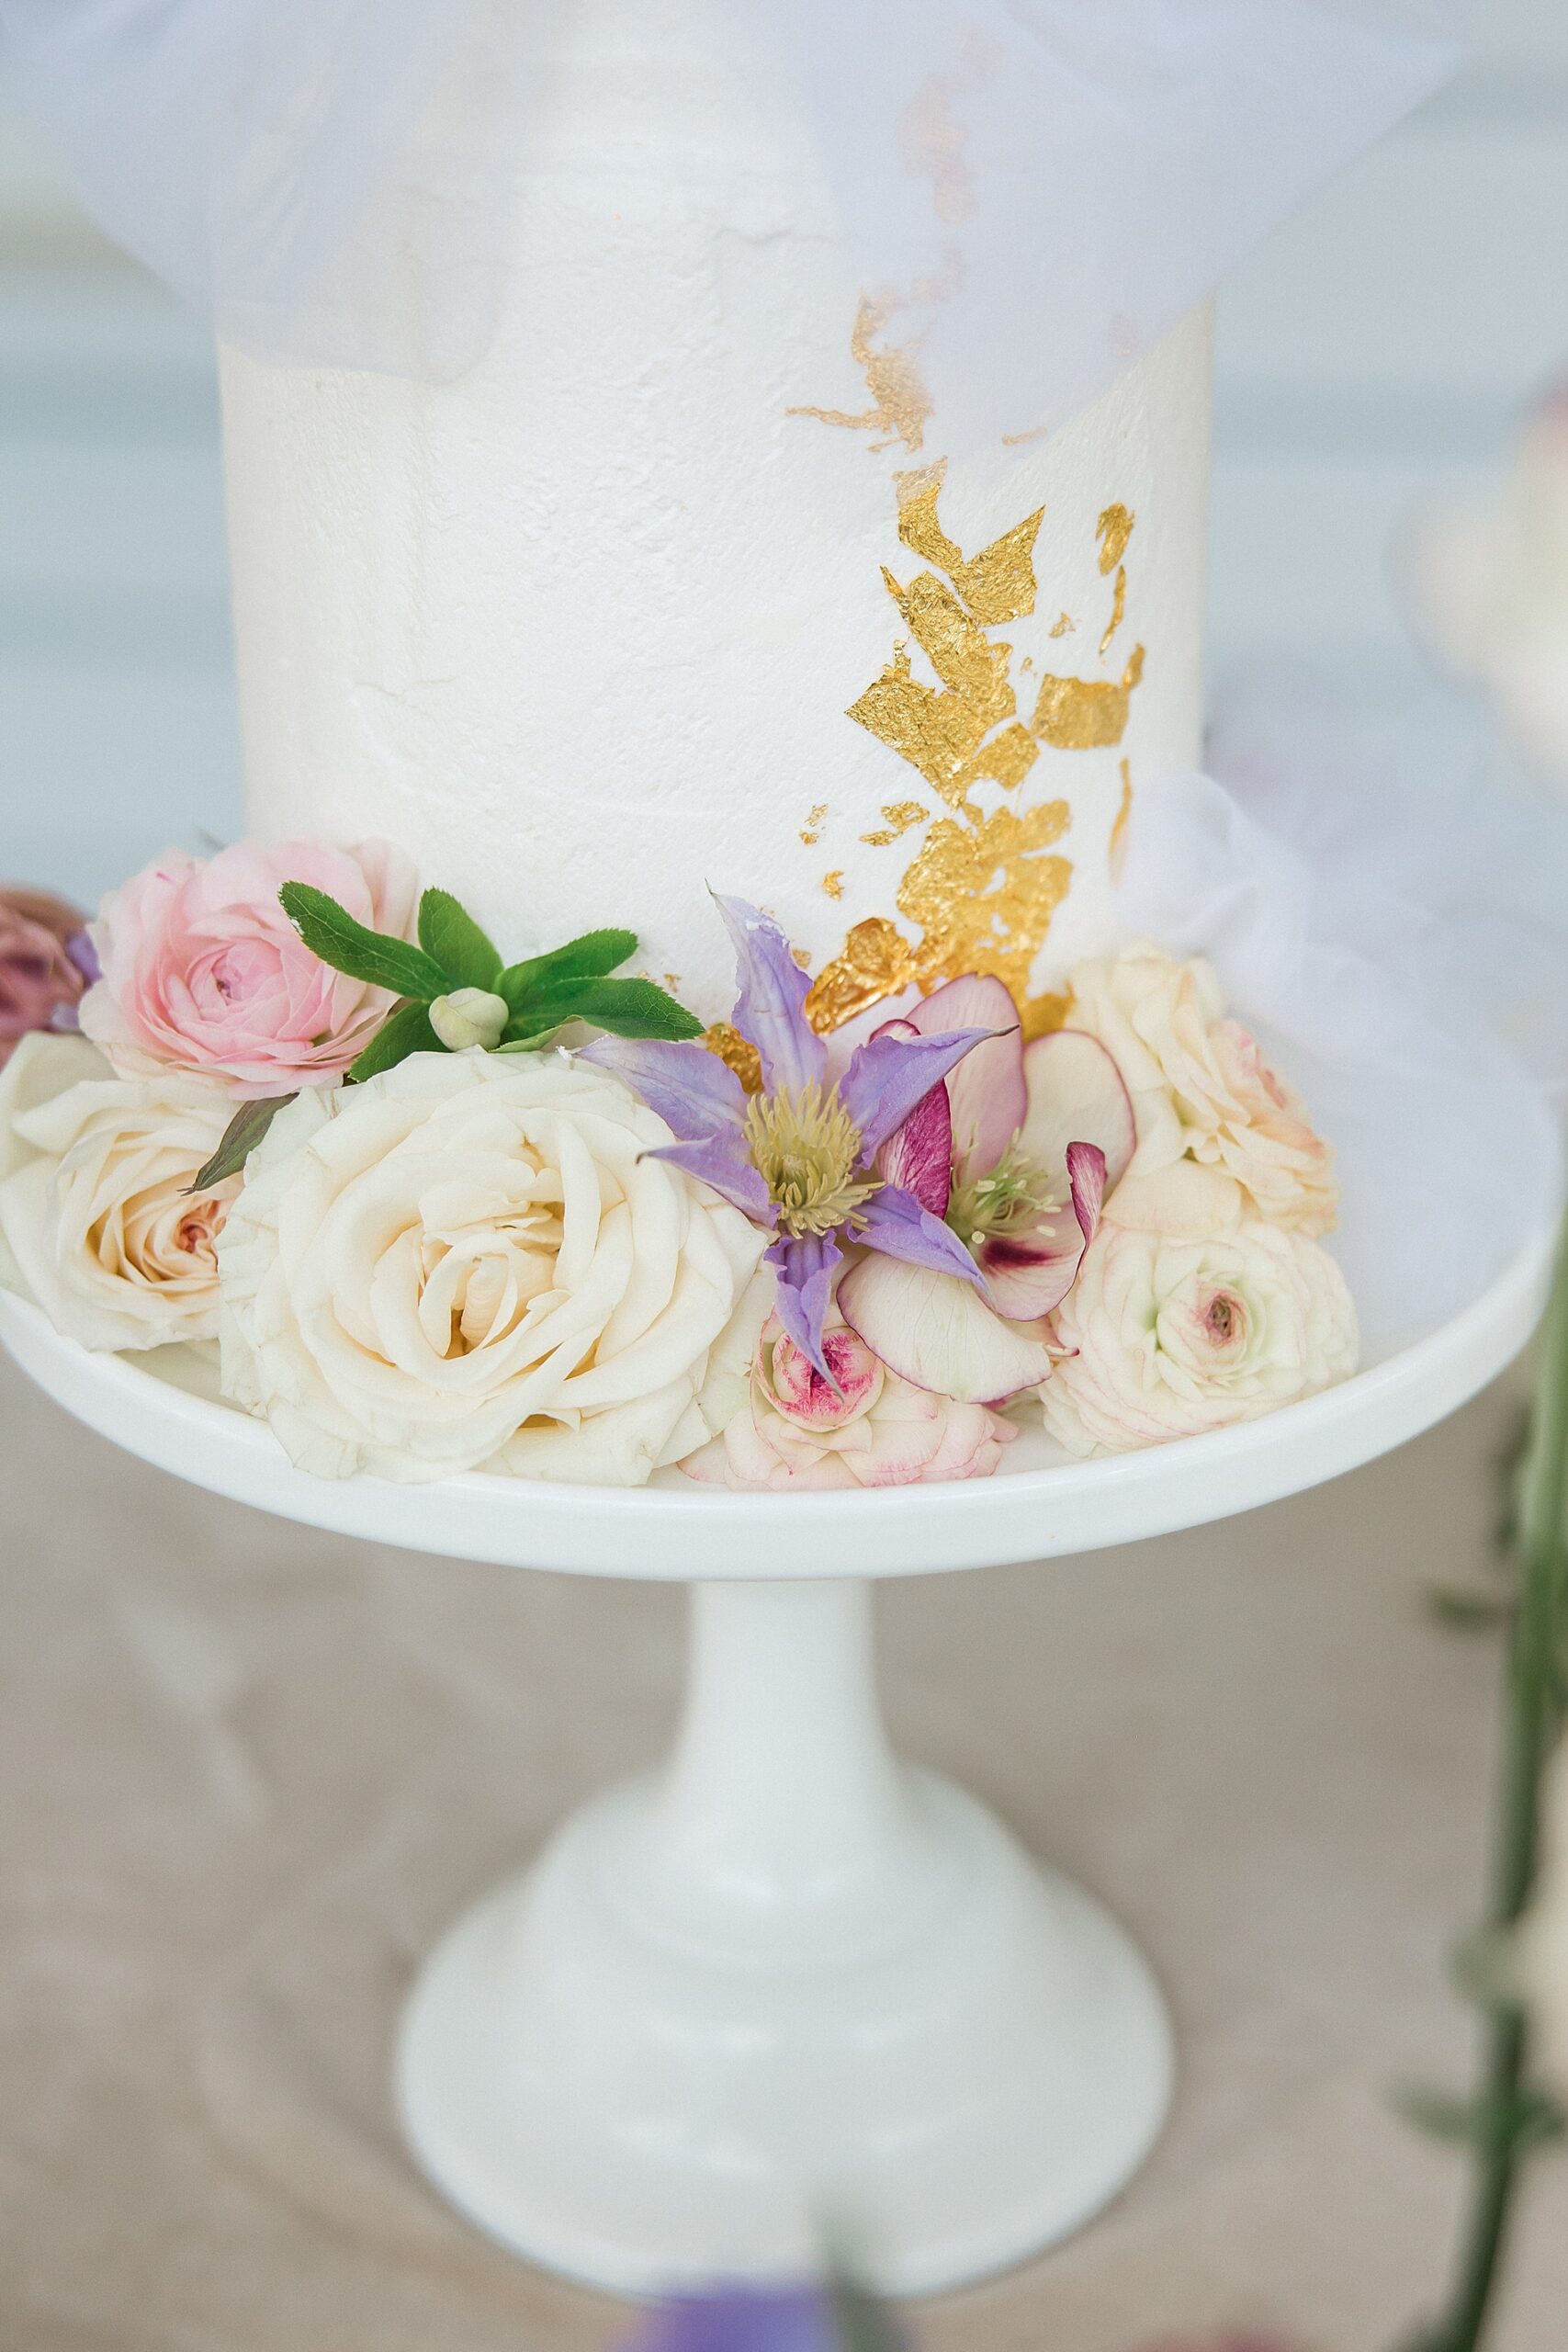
[1118, 609]
[876, 962]
[672, 982]
[1019, 440]
[811, 831]
[984, 895]
[1062, 626]
[1117, 851]
[937, 733]
[1113, 530]
[999, 583]
[900, 816]
[1087, 714]
[1005, 759]
[737, 1053]
[834, 883]
[959, 651]
[802, 959]
[900, 402]
[1041, 1014]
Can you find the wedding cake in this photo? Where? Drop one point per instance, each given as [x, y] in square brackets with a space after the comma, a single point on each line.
[686, 584]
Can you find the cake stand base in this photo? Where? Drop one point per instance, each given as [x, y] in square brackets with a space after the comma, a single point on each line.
[790, 1997]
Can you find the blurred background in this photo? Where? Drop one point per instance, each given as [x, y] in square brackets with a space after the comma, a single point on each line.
[1376, 353]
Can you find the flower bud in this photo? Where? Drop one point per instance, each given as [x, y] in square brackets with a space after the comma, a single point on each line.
[469, 1017]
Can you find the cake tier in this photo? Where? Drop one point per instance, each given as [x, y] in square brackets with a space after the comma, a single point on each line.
[682, 586]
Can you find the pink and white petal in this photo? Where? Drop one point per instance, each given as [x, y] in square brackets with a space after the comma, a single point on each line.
[1076, 1095]
[1029, 1275]
[936, 1331]
[986, 1090]
[918, 1155]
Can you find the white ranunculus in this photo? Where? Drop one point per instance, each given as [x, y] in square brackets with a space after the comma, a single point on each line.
[471, 1259]
[1200, 1085]
[100, 1225]
[1543, 1940]
[1171, 1333]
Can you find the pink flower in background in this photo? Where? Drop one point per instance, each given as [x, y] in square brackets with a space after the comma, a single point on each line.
[202, 969]
[45, 965]
[797, 1430]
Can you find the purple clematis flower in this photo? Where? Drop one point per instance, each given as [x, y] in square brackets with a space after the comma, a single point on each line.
[800, 1157]
[763, 2320]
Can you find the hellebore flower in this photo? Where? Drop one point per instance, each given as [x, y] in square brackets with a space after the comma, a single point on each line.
[800, 1157]
[1016, 1152]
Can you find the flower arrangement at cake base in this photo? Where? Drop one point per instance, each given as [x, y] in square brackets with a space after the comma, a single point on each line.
[434, 1212]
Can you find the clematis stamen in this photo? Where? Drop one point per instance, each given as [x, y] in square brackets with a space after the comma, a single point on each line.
[1016, 1194]
[807, 1148]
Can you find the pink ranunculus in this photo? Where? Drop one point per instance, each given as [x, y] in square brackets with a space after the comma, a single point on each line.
[795, 1431]
[202, 969]
[40, 981]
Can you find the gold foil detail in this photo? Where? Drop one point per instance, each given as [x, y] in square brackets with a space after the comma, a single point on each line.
[957, 648]
[1043, 1014]
[737, 1053]
[834, 883]
[933, 142]
[802, 959]
[1113, 530]
[1116, 853]
[876, 962]
[811, 831]
[937, 733]
[999, 583]
[1062, 626]
[1087, 714]
[1019, 440]
[900, 816]
[672, 982]
[984, 895]
[1118, 609]
[901, 403]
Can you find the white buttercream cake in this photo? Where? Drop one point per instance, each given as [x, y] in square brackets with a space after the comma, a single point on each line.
[682, 586]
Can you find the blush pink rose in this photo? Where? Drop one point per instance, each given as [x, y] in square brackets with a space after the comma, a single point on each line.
[202, 970]
[794, 1430]
[40, 979]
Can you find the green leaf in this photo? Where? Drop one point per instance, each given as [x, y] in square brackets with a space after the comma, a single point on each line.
[590, 957]
[330, 931]
[628, 1008]
[240, 1138]
[407, 1032]
[1524, 2120]
[449, 934]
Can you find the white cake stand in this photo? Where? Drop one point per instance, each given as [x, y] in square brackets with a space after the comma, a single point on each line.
[787, 1988]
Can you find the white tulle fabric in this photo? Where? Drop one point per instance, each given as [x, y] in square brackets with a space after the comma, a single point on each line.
[1070, 178]
[1405, 970]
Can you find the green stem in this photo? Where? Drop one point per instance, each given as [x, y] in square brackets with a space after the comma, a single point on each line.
[1533, 1701]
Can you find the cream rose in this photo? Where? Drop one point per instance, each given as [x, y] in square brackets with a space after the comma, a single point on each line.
[100, 1225]
[1200, 1084]
[1171, 1331]
[473, 1260]
[1543, 1939]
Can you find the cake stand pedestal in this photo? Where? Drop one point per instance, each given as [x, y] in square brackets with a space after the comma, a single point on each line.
[787, 1991]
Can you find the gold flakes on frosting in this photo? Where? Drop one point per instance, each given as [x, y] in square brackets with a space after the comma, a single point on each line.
[737, 1053]
[1118, 609]
[876, 962]
[834, 883]
[1113, 530]
[901, 815]
[1116, 853]
[811, 831]
[984, 896]
[957, 647]
[901, 403]
[1062, 626]
[1041, 1014]
[1087, 714]
[999, 583]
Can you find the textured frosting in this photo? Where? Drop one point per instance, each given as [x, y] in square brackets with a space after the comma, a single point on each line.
[618, 617]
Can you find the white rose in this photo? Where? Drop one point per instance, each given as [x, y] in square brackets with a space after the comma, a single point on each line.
[100, 1225]
[1200, 1085]
[1543, 1939]
[471, 1258]
[1173, 1333]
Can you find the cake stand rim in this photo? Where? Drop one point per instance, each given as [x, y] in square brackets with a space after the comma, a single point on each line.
[660, 1534]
